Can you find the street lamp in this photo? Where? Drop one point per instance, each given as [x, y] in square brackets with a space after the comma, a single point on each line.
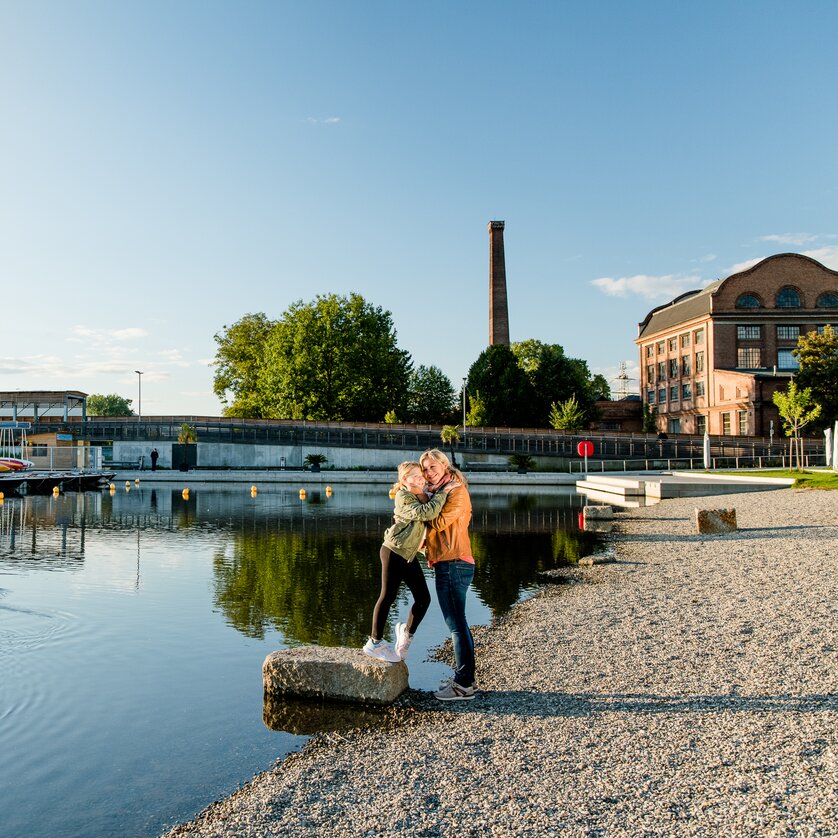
[140, 395]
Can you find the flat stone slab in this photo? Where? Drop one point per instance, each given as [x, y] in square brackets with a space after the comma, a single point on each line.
[334, 674]
[715, 521]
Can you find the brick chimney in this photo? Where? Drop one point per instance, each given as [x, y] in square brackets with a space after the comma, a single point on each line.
[498, 309]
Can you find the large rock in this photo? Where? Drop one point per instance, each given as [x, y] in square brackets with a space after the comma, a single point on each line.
[336, 674]
[715, 521]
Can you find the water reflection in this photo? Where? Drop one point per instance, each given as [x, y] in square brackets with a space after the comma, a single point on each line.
[306, 567]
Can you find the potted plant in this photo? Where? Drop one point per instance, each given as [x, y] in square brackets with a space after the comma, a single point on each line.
[522, 462]
[314, 461]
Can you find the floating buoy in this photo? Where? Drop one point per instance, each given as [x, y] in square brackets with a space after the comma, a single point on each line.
[185, 493]
[2, 496]
[55, 490]
[328, 491]
[127, 484]
[137, 482]
[253, 490]
[112, 489]
[111, 485]
[127, 488]
[302, 494]
[392, 494]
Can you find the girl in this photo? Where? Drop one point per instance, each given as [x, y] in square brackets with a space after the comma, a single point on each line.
[402, 544]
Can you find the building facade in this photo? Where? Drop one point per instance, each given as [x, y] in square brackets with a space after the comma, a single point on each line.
[711, 360]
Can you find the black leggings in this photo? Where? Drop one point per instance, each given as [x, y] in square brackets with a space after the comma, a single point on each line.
[394, 571]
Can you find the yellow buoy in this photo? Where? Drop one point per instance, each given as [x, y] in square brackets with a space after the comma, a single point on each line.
[112, 490]
[127, 483]
[55, 490]
[137, 482]
[2, 496]
[111, 485]
[328, 491]
[253, 490]
[392, 494]
[302, 494]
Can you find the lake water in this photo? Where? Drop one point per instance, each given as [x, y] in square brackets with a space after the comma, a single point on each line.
[133, 626]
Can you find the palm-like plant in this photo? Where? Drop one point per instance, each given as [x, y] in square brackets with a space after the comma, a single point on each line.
[449, 434]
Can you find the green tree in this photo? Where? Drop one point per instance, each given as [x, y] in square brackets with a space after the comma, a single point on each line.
[504, 387]
[336, 359]
[818, 357]
[110, 405]
[555, 378]
[797, 409]
[650, 419]
[239, 365]
[187, 434]
[567, 415]
[476, 417]
[430, 396]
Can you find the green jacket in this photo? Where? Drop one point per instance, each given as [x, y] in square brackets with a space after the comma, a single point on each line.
[410, 514]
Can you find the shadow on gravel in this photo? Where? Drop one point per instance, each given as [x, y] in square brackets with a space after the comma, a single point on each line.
[547, 705]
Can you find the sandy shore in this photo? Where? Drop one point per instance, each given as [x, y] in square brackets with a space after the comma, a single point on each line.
[688, 687]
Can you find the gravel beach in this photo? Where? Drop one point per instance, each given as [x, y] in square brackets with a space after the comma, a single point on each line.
[684, 686]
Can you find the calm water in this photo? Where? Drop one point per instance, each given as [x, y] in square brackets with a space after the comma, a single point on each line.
[133, 629]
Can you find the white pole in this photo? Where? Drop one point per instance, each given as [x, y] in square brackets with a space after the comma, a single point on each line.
[835, 447]
[828, 446]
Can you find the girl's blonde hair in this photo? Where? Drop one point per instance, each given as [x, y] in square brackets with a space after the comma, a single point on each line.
[442, 459]
[404, 472]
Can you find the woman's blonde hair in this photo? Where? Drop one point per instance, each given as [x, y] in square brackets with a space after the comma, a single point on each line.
[442, 459]
[404, 472]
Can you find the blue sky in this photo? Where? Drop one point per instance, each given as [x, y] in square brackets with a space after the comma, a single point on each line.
[166, 168]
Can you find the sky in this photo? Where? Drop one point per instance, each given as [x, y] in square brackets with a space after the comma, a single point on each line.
[167, 168]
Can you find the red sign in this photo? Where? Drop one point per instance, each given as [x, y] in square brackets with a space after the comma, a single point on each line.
[585, 449]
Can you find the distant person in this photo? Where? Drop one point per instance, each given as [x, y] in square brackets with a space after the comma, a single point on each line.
[449, 554]
[154, 456]
[400, 554]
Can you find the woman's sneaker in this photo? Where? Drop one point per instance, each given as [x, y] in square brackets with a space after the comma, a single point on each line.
[454, 692]
[380, 650]
[403, 640]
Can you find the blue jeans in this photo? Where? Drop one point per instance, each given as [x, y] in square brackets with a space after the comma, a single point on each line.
[452, 581]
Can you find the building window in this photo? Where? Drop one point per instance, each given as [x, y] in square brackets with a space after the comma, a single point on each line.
[37, 450]
[788, 332]
[661, 370]
[701, 424]
[673, 393]
[788, 297]
[673, 344]
[686, 392]
[748, 301]
[827, 300]
[685, 365]
[743, 423]
[726, 424]
[786, 361]
[833, 326]
[685, 340]
[650, 397]
[748, 332]
[699, 388]
[661, 347]
[699, 337]
[650, 350]
[699, 362]
[747, 357]
[662, 395]
[675, 426]
[650, 373]
[673, 368]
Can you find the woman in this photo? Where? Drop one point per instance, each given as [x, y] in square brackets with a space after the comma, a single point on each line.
[449, 554]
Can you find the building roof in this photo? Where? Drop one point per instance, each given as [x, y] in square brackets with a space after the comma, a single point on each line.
[686, 307]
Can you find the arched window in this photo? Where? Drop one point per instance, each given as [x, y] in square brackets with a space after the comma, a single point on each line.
[788, 297]
[828, 300]
[748, 301]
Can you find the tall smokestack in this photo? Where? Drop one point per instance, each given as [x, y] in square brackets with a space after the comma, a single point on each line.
[498, 308]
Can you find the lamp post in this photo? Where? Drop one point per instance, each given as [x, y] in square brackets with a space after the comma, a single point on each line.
[140, 395]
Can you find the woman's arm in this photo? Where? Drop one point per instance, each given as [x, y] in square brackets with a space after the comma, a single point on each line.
[458, 505]
[410, 508]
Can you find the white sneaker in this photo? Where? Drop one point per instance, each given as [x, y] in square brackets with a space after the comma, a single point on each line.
[454, 692]
[403, 640]
[380, 650]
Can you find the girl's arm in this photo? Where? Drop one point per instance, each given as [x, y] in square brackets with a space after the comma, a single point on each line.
[410, 508]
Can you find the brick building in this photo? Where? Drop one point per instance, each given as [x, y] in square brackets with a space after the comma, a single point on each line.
[711, 360]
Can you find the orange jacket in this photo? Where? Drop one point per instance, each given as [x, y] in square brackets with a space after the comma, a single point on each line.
[447, 537]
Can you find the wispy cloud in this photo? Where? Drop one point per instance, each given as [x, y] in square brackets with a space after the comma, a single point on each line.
[328, 120]
[107, 336]
[825, 255]
[651, 287]
[789, 238]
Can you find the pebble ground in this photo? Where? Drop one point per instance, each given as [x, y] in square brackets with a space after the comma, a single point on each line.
[684, 686]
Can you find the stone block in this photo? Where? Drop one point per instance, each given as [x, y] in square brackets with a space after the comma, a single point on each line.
[334, 674]
[715, 521]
